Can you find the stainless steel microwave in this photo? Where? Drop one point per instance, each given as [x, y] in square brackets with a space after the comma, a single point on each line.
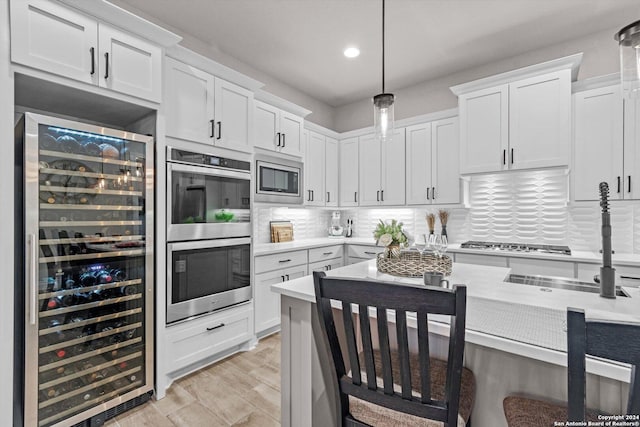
[278, 180]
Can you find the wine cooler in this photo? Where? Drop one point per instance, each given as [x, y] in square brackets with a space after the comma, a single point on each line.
[88, 281]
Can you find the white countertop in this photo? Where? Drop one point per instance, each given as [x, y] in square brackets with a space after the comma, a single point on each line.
[537, 316]
[631, 260]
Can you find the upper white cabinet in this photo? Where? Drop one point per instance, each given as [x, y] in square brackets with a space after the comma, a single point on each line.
[331, 171]
[517, 120]
[50, 37]
[314, 167]
[277, 130]
[348, 175]
[382, 170]
[321, 170]
[631, 149]
[203, 108]
[598, 143]
[432, 166]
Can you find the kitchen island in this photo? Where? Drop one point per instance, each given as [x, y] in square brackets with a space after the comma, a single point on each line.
[515, 343]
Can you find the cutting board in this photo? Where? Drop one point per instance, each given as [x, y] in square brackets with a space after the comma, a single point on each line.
[281, 231]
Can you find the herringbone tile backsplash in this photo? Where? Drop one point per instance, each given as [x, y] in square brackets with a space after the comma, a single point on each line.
[523, 207]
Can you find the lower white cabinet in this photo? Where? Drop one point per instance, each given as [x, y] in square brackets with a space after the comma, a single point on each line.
[327, 265]
[267, 302]
[195, 340]
[625, 276]
[362, 251]
[495, 261]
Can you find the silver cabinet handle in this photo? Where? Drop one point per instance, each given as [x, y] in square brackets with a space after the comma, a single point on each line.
[215, 327]
[33, 279]
[284, 260]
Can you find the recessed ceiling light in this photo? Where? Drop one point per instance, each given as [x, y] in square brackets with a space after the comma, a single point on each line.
[351, 52]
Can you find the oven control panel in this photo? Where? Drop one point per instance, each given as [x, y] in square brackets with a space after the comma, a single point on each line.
[201, 159]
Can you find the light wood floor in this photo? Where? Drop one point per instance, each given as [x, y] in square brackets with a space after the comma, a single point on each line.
[243, 390]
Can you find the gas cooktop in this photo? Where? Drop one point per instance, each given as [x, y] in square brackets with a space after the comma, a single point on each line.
[517, 247]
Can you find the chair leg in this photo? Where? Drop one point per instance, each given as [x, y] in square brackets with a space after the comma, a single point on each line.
[468, 422]
[349, 421]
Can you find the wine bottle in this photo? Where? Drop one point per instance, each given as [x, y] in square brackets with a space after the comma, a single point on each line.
[118, 275]
[88, 279]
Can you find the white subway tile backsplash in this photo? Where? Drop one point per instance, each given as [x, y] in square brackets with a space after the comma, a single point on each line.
[523, 207]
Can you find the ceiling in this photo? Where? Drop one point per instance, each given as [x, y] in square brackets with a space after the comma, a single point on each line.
[300, 42]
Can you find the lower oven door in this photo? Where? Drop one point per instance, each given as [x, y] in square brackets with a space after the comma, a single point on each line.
[207, 275]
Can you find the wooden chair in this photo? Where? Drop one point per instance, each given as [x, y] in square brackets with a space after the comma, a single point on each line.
[396, 388]
[615, 341]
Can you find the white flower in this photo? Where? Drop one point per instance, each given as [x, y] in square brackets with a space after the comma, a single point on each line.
[385, 239]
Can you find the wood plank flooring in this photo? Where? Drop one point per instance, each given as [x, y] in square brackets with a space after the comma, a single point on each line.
[242, 390]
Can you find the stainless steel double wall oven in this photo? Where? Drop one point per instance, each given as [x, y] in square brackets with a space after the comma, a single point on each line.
[208, 233]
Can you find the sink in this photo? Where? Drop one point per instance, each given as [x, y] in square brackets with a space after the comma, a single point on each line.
[547, 282]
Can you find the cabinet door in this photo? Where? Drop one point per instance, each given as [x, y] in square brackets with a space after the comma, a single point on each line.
[540, 121]
[53, 38]
[266, 125]
[631, 149]
[446, 167]
[266, 302]
[484, 130]
[348, 175]
[331, 171]
[331, 264]
[233, 114]
[369, 163]
[419, 163]
[393, 175]
[189, 102]
[129, 65]
[314, 170]
[291, 129]
[597, 142]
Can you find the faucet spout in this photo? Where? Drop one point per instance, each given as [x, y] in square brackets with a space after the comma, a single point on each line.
[607, 273]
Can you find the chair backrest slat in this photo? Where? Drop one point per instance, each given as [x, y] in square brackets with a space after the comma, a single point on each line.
[367, 347]
[352, 349]
[615, 341]
[423, 348]
[403, 353]
[385, 350]
[403, 299]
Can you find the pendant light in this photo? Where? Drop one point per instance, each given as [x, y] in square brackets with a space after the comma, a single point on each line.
[383, 104]
[629, 41]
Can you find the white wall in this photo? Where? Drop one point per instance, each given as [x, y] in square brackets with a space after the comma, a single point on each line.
[7, 223]
[600, 57]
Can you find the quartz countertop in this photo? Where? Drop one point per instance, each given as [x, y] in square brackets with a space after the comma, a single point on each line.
[520, 319]
[271, 248]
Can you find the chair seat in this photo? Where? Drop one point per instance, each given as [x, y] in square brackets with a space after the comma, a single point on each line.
[526, 412]
[376, 415]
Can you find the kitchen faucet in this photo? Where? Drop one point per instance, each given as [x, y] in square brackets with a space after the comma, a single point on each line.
[607, 273]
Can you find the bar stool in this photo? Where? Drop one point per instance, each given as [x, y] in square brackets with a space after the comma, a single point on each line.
[396, 388]
[584, 337]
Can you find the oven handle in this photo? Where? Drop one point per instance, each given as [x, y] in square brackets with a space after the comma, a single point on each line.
[205, 244]
[204, 170]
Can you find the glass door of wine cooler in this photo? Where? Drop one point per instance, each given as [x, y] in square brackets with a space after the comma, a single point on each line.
[89, 261]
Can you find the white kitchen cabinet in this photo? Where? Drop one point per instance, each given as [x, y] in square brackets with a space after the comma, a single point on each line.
[325, 253]
[277, 130]
[199, 339]
[631, 183]
[381, 170]
[348, 175]
[362, 251]
[495, 261]
[314, 169]
[267, 302]
[432, 172]
[331, 171]
[597, 142]
[203, 108]
[328, 265]
[50, 37]
[519, 125]
[625, 275]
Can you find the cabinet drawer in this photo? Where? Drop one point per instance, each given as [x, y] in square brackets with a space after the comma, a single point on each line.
[352, 260]
[330, 264]
[281, 260]
[326, 253]
[625, 276]
[195, 340]
[361, 251]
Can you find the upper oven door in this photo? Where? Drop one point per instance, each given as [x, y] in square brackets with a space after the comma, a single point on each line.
[278, 183]
[207, 203]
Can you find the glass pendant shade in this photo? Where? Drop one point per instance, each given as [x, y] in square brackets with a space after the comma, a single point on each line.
[383, 116]
[629, 41]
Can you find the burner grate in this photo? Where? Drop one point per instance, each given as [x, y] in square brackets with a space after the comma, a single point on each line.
[517, 247]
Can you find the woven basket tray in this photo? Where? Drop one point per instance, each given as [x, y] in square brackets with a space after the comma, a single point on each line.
[413, 264]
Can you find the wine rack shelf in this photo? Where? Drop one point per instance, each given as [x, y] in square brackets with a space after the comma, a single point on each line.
[94, 159]
[71, 206]
[91, 321]
[86, 306]
[84, 190]
[88, 338]
[114, 254]
[86, 174]
[89, 354]
[86, 289]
